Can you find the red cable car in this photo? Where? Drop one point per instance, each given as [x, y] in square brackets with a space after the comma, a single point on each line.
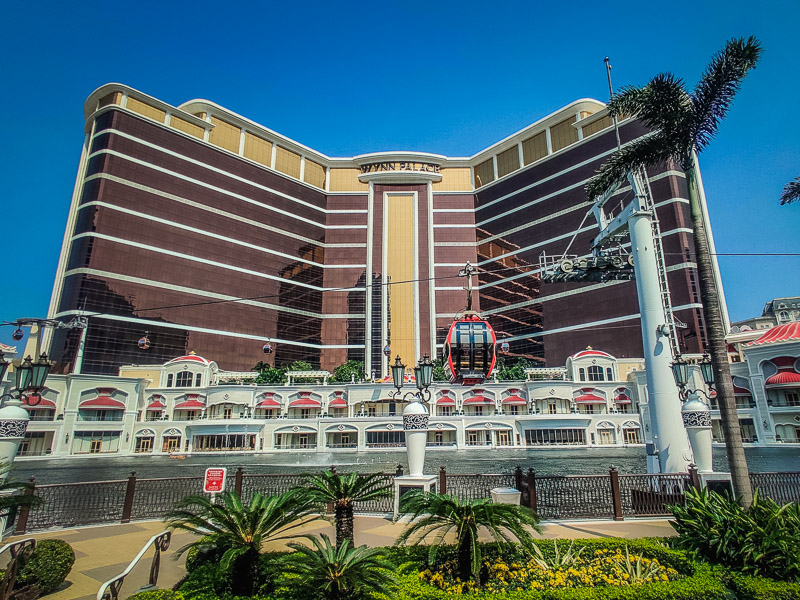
[469, 349]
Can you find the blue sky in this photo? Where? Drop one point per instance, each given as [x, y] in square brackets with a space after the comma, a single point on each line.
[348, 78]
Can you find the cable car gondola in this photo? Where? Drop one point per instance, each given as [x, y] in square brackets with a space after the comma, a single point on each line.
[469, 349]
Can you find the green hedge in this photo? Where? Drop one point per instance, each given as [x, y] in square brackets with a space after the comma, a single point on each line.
[157, 595]
[48, 567]
[761, 588]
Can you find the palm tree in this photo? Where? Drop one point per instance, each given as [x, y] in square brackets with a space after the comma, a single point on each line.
[342, 491]
[441, 514]
[239, 530]
[791, 192]
[340, 572]
[682, 124]
[10, 496]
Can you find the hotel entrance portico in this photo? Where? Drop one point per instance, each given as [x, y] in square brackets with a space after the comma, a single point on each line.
[221, 438]
[296, 437]
[489, 434]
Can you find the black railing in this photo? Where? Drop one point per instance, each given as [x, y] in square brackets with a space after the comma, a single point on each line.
[609, 495]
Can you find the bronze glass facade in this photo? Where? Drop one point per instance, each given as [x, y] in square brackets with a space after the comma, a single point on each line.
[175, 233]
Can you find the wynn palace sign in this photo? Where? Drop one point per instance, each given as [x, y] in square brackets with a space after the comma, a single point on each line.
[400, 166]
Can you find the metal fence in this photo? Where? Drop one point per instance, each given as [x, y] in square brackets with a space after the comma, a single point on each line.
[609, 495]
[780, 487]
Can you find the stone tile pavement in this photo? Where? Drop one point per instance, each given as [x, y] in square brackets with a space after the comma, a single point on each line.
[103, 552]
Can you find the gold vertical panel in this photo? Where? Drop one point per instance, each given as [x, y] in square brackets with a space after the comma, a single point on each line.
[534, 148]
[563, 134]
[257, 149]
[186, 127]
[225, 135]
[287, 162]
[200, 115]
[112, 98]
[598, 125]
[346, 180]
[400, 267]
[314, 174]
[484, 173]
[454, 180]
[585, 113]
[507, 161]
[146, 110]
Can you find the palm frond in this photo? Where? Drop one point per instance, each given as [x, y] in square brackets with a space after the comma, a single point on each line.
[791, 193]
[660, 105]
[719, 84]
[653, 149]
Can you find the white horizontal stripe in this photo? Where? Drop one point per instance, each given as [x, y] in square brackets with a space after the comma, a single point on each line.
[245, 336]
[537, 245]
[210, 262]
[228, 173]
[453, 225]
[224, 191]
[676, 230]
[453, 210]
[207, 294]
[536, 222]
[218, 211]
[446, 244]
[217, 236]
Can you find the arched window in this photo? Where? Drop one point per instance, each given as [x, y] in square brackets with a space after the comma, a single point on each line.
[783, 316]
[595, 373]
[184, 379]
[197, 380]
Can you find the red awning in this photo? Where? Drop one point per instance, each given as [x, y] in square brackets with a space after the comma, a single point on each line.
[155, 406]
[478, 400]
[43, 402]
[304, 403]
[268, 403]
[514, 400]
[740, 391]
[190, 405]
[589, 399]
[446, 401]
[338, 403]
[622, 399]
[784, 378]
[102, 403]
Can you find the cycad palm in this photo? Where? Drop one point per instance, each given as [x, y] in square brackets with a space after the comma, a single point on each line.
[239, 530]
[343, 491]
[440, 514]
[682, 124]
[341, 572]
[10, 498]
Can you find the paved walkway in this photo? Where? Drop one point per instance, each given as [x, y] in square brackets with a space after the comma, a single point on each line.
[103, 552]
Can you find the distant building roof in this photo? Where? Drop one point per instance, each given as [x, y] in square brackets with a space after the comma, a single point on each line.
[782, 333]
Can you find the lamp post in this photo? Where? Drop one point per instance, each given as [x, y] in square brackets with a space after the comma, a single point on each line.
[415, 426]
[29, 383]
[696, 414]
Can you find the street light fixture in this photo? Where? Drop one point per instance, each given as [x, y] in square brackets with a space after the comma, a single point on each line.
[423, 375]
[30, 378]
[680, 371]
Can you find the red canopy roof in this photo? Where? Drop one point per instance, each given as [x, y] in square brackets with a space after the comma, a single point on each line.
[589, 399]
[102, 403]
[784, 378]
[622, 399]
[43, 402]
[478, 400]
[514, 400]
[446, 401]
[781, 333]
[338, 402]
[740, 391]
[190, 405]
[155, 406]
[268, 402]
[304, 403]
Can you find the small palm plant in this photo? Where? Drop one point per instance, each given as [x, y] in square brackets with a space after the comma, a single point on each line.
[238, 530]
[10, 496]
[440, 514]
[343, 491]
[338, 572]
[558, 560]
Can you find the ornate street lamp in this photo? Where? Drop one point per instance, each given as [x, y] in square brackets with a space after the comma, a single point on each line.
[696, 414]
[398, 372]
[415, 414]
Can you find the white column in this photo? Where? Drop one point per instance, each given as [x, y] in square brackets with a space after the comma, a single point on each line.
[669, 434]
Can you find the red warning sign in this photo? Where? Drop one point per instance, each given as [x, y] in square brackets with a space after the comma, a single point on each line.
[214, 481]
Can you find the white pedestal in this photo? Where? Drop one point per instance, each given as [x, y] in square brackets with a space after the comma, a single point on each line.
[717, 482]
[407, 483]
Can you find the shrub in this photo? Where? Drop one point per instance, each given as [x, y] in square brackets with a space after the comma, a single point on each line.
[761, 588]
[761, 540]
[48, 567]
[157, 595]
[199, 555]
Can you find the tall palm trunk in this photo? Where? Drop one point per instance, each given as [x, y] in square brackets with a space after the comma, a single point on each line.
[343, 517]
[712, 313]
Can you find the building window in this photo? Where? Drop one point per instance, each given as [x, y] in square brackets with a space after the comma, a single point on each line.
[305, 413]
[169, 380]
[595, 373]
[184, 379]
[555, 437]
[445, 410]
[478, 411]
[484, 173]
[198, 379]
[514, 409]
[609, 374]
[792, 399]
[582, 374]
[552, 408]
